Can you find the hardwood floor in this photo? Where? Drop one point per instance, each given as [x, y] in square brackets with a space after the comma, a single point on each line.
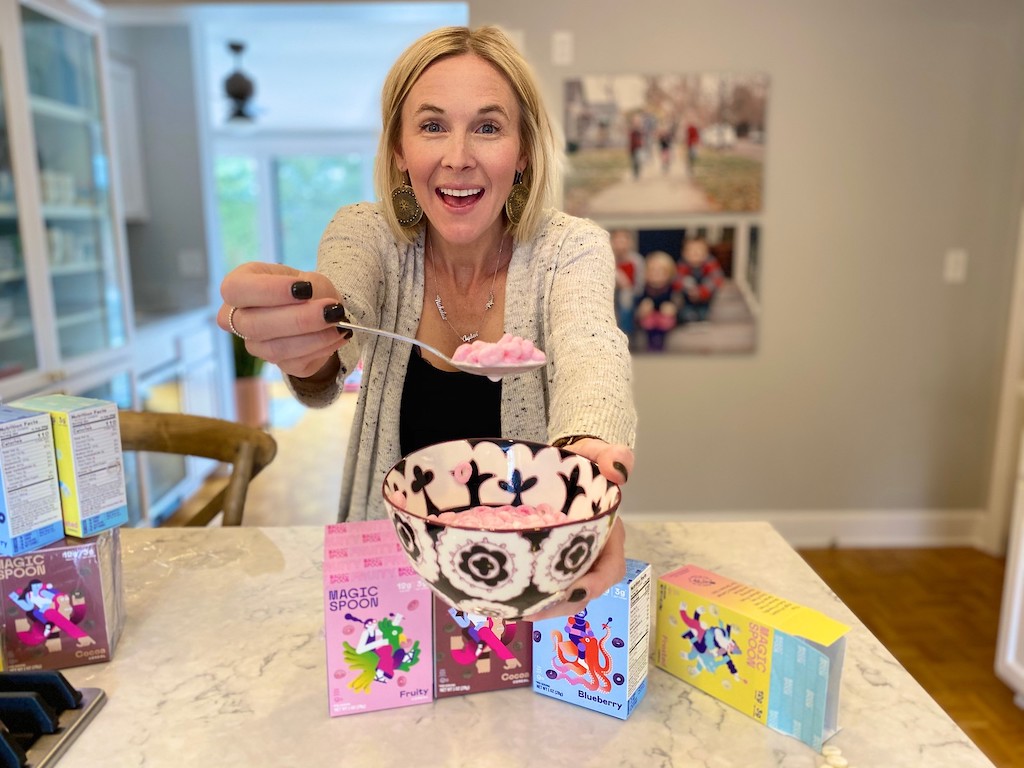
[937, 610]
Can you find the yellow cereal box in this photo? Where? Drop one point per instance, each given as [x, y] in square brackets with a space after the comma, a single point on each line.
[772, 659]
[90, 465]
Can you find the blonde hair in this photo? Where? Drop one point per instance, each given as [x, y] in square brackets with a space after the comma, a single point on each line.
[662, 259]
[535, 132]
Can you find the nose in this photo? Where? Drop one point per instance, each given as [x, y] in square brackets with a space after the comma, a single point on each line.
[458, 152]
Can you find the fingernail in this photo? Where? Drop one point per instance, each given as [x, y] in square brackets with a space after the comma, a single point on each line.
[335, 313]
[346, 332]
[577, 595]
[621, 468]
[302, 289]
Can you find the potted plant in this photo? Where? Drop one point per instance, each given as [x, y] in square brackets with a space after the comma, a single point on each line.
[252, 396]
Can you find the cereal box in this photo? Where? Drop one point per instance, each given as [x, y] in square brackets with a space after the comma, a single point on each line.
[772, 659]
[378, 627]
[475, 653]
[598, 658]
[90, 465]
[63, 604]
[30, 513]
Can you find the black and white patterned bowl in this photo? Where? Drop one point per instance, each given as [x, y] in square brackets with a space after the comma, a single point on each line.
[500, 573]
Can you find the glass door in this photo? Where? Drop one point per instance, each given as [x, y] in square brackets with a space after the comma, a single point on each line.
[64, 97]
[17, 339]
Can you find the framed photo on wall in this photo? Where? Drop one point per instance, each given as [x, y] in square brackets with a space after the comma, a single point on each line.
[691, 290]
[656, 146]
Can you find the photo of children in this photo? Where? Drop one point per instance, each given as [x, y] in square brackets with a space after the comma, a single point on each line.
[650, 146]
[690, 290]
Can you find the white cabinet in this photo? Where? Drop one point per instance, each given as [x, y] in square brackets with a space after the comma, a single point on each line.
[1007, 491]
[1010, 648]
[64, 299]
[124, 107]
[66, 317]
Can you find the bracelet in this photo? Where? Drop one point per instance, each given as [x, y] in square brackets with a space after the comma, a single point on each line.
[564, 442]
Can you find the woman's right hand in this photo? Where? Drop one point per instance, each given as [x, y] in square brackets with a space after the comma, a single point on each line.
[286, 316]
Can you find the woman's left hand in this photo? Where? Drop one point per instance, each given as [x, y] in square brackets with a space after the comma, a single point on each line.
[615, 462]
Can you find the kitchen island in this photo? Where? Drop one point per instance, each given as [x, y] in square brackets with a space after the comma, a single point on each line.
[222, 663]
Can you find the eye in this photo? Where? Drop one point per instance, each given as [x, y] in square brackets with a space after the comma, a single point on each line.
[489, 128]
[431, 127]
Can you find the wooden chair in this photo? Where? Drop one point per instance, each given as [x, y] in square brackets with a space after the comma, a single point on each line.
[247, 449]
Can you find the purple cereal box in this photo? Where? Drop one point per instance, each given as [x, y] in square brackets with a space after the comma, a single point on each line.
[63, 604]
[477, 653]
[378, 628]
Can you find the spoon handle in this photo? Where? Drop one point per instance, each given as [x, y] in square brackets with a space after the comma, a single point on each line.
[396, 337]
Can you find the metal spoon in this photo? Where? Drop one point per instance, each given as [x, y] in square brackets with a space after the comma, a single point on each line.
[492, 372]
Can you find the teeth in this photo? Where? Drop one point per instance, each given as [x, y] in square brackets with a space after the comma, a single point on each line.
[460, 192]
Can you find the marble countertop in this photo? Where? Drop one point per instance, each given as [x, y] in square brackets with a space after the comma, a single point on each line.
[222, 663]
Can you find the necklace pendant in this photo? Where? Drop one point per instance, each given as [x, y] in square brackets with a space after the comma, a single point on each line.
[440, 307]
[469, 337]
[490, 301]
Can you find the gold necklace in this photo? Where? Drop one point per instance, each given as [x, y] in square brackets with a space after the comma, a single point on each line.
[466, 338]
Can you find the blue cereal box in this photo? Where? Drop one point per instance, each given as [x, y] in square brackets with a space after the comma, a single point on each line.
[30, 514]
[598, 658]
[90, 465]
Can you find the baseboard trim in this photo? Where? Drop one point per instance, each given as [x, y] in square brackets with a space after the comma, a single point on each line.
[850, 528]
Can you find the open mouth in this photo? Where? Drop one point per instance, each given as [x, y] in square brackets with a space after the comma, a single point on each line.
[459, 198]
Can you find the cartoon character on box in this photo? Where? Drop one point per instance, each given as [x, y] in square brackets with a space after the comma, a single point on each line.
[487, 635]
[580, 656]
[711, 646]
[382, 651]
[50, 612]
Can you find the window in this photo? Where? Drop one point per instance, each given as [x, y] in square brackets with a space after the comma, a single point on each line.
[237, 195]
[310, 149]
[309, 189]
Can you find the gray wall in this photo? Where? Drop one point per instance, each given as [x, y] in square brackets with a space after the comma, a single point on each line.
[894, 134]
[162, 280]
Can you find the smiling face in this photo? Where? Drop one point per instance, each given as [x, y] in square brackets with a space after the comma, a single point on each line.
[461, 147]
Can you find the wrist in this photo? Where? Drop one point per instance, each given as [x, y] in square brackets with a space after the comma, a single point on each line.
[565, 442]
[327, 374]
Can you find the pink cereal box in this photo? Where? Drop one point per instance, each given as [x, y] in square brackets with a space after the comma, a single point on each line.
[378, 628]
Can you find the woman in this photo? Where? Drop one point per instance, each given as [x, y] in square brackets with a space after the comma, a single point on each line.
[463, 246]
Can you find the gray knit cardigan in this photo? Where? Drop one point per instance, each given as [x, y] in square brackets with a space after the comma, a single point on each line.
[559, 293]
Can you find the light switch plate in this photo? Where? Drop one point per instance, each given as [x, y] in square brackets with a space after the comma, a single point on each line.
[954, 270]
[561, 48]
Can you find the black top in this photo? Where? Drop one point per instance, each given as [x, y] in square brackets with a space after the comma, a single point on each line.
[446, 405]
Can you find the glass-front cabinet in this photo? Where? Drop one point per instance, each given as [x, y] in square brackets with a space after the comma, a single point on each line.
[63, 282]
[17, 336]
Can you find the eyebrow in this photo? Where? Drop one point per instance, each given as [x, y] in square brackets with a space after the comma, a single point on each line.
[485, 110]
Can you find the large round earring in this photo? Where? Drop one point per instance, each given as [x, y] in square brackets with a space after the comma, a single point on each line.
[407, 207]
[518, 196]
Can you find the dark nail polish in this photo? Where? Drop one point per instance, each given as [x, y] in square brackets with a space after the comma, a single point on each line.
[621, 468]
[577, 595]
[302, 289]
[335, 313]
[346, 332]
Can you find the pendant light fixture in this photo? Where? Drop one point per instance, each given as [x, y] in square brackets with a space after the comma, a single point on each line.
[239, 87]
